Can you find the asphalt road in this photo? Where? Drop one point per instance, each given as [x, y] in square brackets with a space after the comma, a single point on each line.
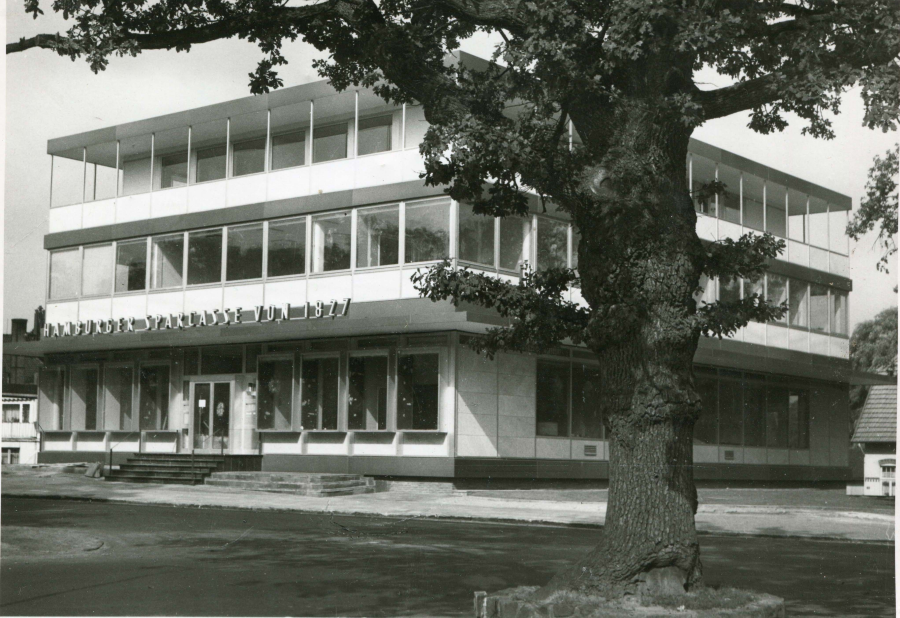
[76, 558]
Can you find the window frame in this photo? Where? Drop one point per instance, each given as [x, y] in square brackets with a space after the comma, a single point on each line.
[226, 237]
[170, 409]
[355, 230]
[80, 251]
[222, 258]
[134, 389]
[307, 156]
[295, 387]
[391, 384]
[184, 260]
[101, 388]
[147, 256]
[564, 362]
[442, 383]
[452, 221]
[307, 236]
[341, 398]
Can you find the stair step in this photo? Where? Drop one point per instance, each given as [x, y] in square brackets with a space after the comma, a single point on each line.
[156, 473]
[293, 477]
[163, 480]
[172, 459]
[204, 467]
[291, 488]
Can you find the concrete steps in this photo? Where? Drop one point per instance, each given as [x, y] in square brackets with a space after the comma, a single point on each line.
[300, 484]
[177, 468]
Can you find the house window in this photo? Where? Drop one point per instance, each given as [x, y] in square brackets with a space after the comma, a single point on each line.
[330, 143]
[777, 292]
[245, 252]
[418, 378]
[131, 266]
[552, 244]
[587, 416]
[211, 163]
[289, 150]
[476, 236]
[367, 403]
[331, 242]
[65, 273]
[10, 455]
[12, 413]
[513, 242]
[378, 236]
[118, 388]
[799, 303]
[818, 308]
[552, 399]
[154, 397]
[287, 247]
[167, 257]
[427, 232]
[706, 429]
[275, 393]
[319, 384]
[173, 170]
[374, 135]
[83, 401]
[204, 257]
[248, 157]
[798, 419]
[96, 272]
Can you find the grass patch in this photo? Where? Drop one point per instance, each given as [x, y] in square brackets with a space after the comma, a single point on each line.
[702, 599]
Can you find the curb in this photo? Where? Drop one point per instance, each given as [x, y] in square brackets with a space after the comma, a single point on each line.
[430, 517]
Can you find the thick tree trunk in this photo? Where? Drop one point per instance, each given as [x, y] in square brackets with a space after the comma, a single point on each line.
[643, 246]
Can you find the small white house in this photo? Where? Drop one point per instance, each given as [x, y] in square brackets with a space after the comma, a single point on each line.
[20, 439]
[876, 433]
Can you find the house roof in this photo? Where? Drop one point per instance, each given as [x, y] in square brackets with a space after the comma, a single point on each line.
[878, 420]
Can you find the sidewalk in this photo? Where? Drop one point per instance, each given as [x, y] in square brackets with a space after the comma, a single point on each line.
[711, 518]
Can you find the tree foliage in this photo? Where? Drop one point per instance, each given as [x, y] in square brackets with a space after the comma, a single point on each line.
[879, 207]
[873, 348]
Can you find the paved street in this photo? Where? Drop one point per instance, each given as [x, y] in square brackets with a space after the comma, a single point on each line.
[66, 557]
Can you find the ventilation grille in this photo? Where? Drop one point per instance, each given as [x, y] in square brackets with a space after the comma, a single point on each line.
[729, 455]
[590, 450]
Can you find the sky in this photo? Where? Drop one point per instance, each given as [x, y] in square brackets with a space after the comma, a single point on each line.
[48, 96]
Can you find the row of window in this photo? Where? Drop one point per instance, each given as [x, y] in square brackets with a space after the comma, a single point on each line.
[362, 238]
[17, 413]
[102, 397]
[253, 143]
[768, 206]
[811, 306]
[745, 409]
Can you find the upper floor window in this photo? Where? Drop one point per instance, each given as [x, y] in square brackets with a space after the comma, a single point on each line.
[552, 243]
[331, 242]
[167, 261]
[476, 236]
[514, 236]
[245, 252]
[378, 236]
[131, 265]
[248, 157]
[65, 273]
[427, 234]
[96, 272]
[289, 150]
[374, 135]
[287, 247]
[204, 257]
[330, 143]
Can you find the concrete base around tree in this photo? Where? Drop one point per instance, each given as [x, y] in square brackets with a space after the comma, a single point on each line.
[517, 603]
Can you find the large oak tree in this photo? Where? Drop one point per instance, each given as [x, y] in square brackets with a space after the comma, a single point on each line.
[624, 73]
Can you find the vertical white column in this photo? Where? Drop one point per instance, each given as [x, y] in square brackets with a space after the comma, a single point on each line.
[188, 179]
[354, 230]
[83, 174]
[152, 157]
[228, 148]
[787, 219]
[94, 198]
[312, 128]
[717, 213]
[765, 207]
[403, 128]
[402, 225]
[356, 124]
[52, 161]
[571, 135]
[267, 166]
[806, 225]
[741, 198]
[118, 165]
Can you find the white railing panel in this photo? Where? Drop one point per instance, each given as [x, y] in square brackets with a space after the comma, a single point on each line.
[378, 169]
[776, 336]
[129, 306]
[247, 190]
[95, 309]
[207, 196]
[101, 212]
[207, 299]
[65, 218]
[283, 184]
[62, 312]
[331, 176]
[798, 253]
[168, 202]
[381, 285]
[18, 431]
[799, 340]
[289, 291]
[326, 289]
[165, 303]
[729, 230]
[133, 208]
[839, 347]
[706, 228]
[244, 296]
[818, 259]
[818, 343]
[839, 264]
[755, 332]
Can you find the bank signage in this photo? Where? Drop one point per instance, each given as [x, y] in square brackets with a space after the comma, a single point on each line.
[279, 314]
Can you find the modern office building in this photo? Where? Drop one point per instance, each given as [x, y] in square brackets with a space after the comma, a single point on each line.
[236, 278]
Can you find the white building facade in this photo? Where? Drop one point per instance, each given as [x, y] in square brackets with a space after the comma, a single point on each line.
[236, 278]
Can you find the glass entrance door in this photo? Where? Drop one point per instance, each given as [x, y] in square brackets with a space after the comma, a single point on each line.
[212, 415]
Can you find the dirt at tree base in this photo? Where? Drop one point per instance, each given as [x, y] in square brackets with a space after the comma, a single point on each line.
[703, 603]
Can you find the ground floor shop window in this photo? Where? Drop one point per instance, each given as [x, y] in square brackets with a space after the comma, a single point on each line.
[85, 384]
[10, 455]
[568, 392]
[275, 393]
[154, 398]
[117, 402]
[751, 410]
[50, 405]
[418, 380]
[367, 403]
[319, 384]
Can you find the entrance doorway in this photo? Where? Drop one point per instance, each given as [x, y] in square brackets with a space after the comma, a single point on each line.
[211, 405]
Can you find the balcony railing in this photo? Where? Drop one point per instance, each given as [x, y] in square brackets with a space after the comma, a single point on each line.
[19, 431]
